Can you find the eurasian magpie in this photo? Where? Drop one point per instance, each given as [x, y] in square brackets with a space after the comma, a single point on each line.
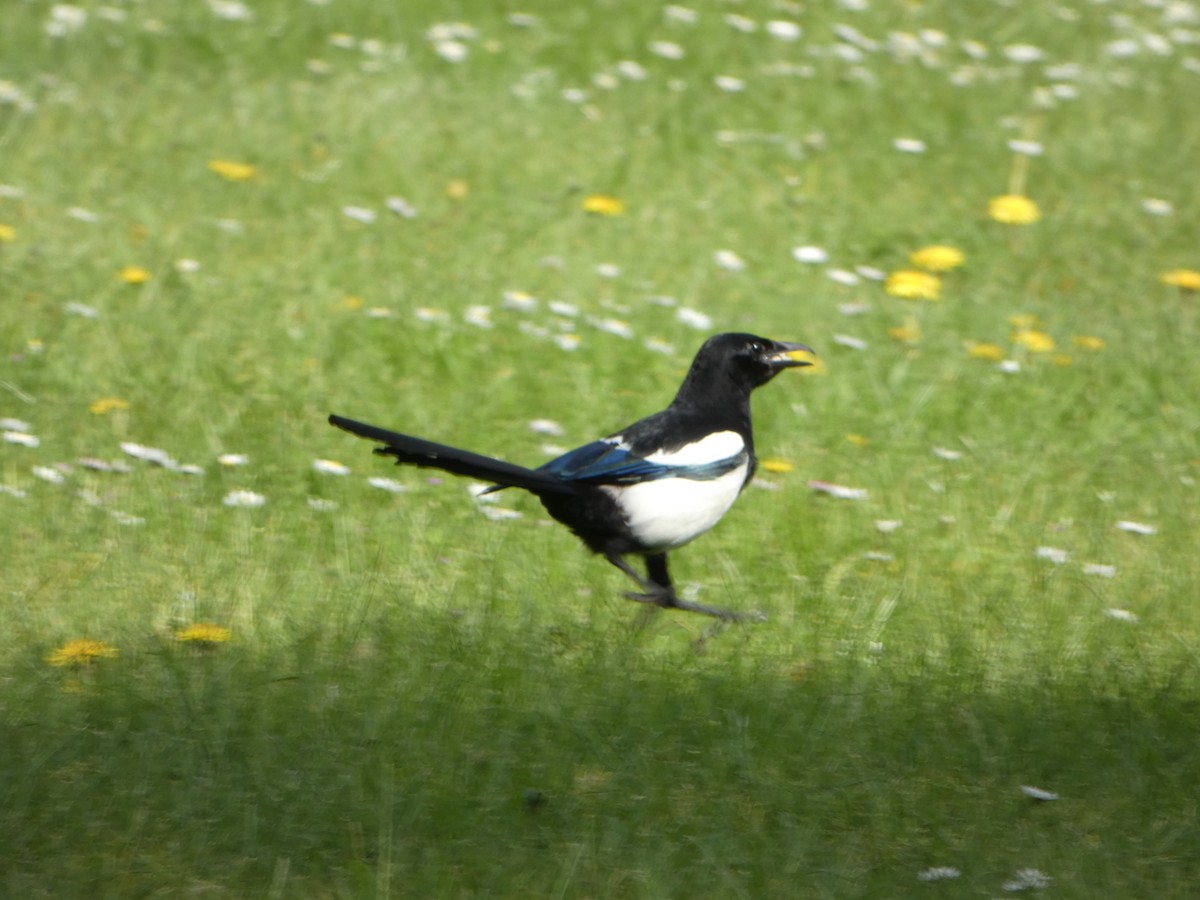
[651, 487]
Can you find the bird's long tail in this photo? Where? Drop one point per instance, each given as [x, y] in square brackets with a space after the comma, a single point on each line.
[427, 454]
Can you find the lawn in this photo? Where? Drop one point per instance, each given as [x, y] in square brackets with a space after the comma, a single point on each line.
[240, 656]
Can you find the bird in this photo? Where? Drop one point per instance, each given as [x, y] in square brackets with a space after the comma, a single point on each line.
[647, 489]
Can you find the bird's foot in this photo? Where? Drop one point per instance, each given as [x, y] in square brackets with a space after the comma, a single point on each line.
[668, 600]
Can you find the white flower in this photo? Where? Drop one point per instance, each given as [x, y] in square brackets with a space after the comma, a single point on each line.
[947, 454]
[680, 14]
[667, 49]
[694, 318]
[728, 259]
[359, 214]
[741, 23]
[1024, 53]
[1028, 148]
[939, 873]
[1121, 615]
[48, 474]
[81, 309]
[619, 327]
[846, 340]
[1100, 569]
[843, 277]
[79, 214]
[1136, 527]
[729, 83]
[1038, 793]
[1009, 366]
[65, 19]
[1052, 554]
[887, 526]
[562, 308]
[233, 459]
[479, 316]
[244, 498]
[841, 491]
[330, 467]
[608, 270]
[401, 207]
[1157, 207]
[523, 20]
[231, 10]
[321, 505]
[522, 301]
[784, 30]
[810, 254]
[567, 341]
[499, 513]
[909, 145]
[149, 454]
[387, 484]
[22, 437]
[630, 70]
[1026, 879]
[658, 345]
[185, 266]
[871, 273]
[546, 426]
[10, 424]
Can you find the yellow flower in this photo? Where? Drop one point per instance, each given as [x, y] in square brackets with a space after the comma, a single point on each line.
[988, 352]
[858, 440]
[457, 189]
[777, 466]
[1187, 279]
[1034, 341]
[1014, 209]
[603, 205]
[105, 405]
[232, 171]
[353, 302]
[81, 652]
[1024, 320]
[1062, 359]
[908, 333]
[1088, 342]
[135, 275]
[937, 258]
[8, 234]
[204, 634]
[912, 284]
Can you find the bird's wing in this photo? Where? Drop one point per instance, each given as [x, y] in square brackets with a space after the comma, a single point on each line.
[611, 461]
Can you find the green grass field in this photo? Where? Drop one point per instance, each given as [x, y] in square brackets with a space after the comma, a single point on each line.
[221, 222]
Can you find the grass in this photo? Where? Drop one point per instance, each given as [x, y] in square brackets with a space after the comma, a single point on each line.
[418, 701]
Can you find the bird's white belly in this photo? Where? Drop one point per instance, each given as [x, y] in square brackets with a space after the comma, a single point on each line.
[669, 512]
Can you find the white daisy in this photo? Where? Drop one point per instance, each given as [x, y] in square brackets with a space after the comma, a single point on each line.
[330, 467]
[247, 499]
[667, 49]
[810, 254]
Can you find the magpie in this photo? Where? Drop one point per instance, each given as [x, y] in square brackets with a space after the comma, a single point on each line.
[649, 488]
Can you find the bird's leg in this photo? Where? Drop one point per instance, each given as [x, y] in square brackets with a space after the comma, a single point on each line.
[658, 589]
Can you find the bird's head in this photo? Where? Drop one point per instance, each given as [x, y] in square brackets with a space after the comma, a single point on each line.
[756, 360]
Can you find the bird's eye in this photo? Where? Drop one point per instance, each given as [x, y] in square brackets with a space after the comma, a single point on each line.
[756, 348]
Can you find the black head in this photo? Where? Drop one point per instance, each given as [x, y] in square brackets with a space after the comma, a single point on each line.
[739, 363]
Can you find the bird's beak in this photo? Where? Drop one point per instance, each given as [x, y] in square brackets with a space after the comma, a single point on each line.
[789, 356]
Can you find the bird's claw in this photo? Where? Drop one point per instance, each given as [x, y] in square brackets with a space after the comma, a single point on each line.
[668, 600]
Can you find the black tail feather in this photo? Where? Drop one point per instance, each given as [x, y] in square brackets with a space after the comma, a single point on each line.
[427, 454]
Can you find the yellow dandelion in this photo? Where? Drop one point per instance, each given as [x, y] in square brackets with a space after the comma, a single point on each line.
[232, 171]
[204, 634]
[777, 466]
[134, 275]
[1088, 342]
[1034, 341]
[858, 440]
[908, 333]
[1014, 209]
[938, 258]
[1185, 279]
[457, 189]
[913, 284]
[81, 652]
[603, 205]
[104, 405]
[1062, 359]
[352, 302]
[987, 352]
[8, 234]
